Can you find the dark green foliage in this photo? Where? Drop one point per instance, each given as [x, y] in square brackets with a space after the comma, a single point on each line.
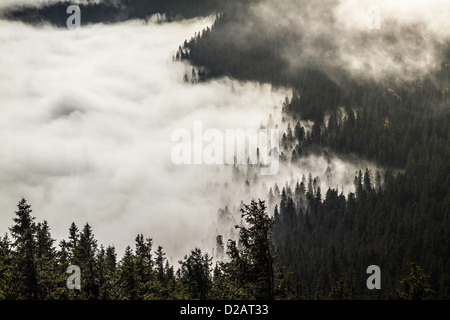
[324, 240]
[328, 245]
[23, 260]
[129, 281]
[108, 274]
[220, 248]
[195, 274]
[390, 223]
[416, 285]
[251, 266]
[323, 248]
[5, 268]
[144, 262]
[138, 275]
[47, 270]
[85, 257]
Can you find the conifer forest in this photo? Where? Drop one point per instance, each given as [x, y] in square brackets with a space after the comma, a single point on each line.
[99, 202]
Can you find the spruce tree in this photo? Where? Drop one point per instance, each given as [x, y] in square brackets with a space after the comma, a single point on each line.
[220, 249]
[85, 257]
[108, 276]
[159, 264]
[47, 267]
[5, 268]
[415, 286]
[144, 262]
[128, 276]
[195, 274]
[23, 260]
[252, 265]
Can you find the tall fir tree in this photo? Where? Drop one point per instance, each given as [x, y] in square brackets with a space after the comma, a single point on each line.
[129, 282]
[252, 265]
[23, 260]
[47, 266]
[85, 257]
[195, 274]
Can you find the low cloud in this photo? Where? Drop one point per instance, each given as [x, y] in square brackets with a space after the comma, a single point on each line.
[333, 35]
[87, 117]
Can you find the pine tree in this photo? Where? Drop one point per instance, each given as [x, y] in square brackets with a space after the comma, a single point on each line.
[299, 132]
[358, 184]
[109, 278]
[72, 244]
[290, 135]
[294, 157]
[367, 181]
[48, 274]
[252, 265]
[159, 264]
[23, 260]
[144, 262]
[5, 268]
[128, 276]
[339, 291]
[62, 261]
[415, 286]
[310, 185]
[195, 274]
[316, 133]
[220, 249]
[85, 257]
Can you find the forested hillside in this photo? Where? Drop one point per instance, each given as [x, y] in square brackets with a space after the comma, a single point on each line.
[300, 242]
[324, 237]
[33, 267]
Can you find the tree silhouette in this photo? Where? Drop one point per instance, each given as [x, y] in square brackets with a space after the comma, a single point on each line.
[415, 286]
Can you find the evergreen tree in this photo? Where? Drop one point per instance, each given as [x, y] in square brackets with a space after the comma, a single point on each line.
[415, 286]
[23, 262]
[72, 244]
[108, 274]
[299, 132]
[144, 262]
[339, 291]
[48, 274]
[85, 257]
[195, 274]
[367, 181]
[220, 248]
[252, 265]
[5, 268]
[129, 282]
[159, 264]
